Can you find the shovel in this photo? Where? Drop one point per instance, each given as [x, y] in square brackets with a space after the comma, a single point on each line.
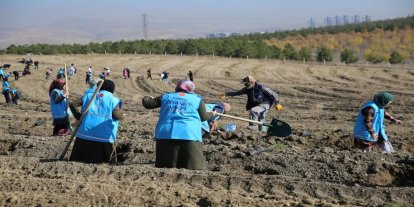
[276, 127]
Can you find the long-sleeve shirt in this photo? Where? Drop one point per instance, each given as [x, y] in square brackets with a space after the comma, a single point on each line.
[368, 114]
[256, 95]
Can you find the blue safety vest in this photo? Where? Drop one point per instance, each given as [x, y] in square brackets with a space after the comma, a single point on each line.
[58, 110]
[6, 86]
[179, 118]
[98, 124]
[360, 130]
[90, 90]
[210, 107]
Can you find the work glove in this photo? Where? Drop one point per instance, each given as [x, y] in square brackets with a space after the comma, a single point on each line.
[278, 107]
[222, 96]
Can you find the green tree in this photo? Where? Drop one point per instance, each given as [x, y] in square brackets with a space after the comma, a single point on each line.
[290, 52]
[372, 58]
[348, 56]
[396, 58]
[324, 54]
[305, 54]
[172, 47]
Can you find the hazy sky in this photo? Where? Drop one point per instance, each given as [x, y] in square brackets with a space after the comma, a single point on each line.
[94, 20]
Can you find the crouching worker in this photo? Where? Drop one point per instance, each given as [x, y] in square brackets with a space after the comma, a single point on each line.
[211, 124]
[369, 130]
[98, 130]
[15, 96]
[58, 108]
[178, 131]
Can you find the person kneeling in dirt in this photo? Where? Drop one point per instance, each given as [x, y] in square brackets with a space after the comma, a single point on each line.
[58, 108]
[211, 124]
[98, 130]
[178, 134]
[15, 96]
[260, 99]
[369, 130]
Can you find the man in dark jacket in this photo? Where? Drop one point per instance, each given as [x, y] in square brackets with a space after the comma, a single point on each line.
[259, 99]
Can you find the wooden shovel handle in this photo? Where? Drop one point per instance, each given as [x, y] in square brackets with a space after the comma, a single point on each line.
[239, 118]
[80, 121]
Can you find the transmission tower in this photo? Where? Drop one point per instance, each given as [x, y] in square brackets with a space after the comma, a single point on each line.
[144, 20]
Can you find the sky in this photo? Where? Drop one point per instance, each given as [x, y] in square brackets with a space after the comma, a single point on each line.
[82, 21]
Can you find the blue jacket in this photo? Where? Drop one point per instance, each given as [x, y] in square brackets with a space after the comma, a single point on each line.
[58, 110]
[179, 118]
[360, 130]
[98, 124]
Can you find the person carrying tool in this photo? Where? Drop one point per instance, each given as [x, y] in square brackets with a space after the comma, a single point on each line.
[211, 124]
[369, 130]
[97, 133]
[58, 107]
[178, 131]
[260, 99]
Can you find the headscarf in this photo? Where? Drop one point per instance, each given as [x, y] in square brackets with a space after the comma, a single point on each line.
[57, 83]
[383, 98]
[185, 86]
[108, 85]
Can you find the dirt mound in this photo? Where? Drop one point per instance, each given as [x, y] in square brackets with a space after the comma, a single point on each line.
[316, 166]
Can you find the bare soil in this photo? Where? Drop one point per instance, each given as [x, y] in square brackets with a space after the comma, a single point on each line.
[316, 166]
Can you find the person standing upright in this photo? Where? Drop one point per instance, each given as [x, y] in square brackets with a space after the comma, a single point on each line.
[6, 89]
[149, 73]
[58, 108]
[190, 75]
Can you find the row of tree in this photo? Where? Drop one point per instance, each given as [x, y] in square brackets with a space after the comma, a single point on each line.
[253, 45]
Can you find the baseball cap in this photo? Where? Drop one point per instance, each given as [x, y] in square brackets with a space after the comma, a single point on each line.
[247, 79]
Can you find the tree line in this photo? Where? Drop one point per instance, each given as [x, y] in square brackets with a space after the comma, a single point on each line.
[257, 46]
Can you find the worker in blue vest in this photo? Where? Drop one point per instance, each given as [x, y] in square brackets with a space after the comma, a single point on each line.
[178, 131]
[369, 130]
[211, 124]
[1, 73]
[98, 130]
[5, 89]
[58, 107]
[15, 96]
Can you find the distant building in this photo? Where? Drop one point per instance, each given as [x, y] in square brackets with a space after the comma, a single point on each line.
[312, 23]
[345, 19]
[222, 35]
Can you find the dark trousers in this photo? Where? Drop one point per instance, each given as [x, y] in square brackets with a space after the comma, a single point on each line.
[6, 96]
[179, 154]
[92, 152]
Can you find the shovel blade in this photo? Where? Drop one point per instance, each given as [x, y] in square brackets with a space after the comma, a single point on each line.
[279, 128]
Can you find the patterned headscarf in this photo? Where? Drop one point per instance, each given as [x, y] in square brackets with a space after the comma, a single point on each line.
[185, 86]
[383, 98]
